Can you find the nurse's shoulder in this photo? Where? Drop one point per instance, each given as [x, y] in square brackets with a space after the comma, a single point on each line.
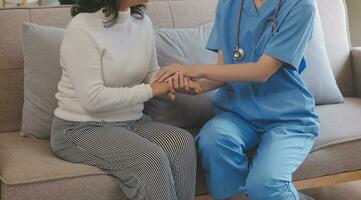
[308, 6]
[224, 5]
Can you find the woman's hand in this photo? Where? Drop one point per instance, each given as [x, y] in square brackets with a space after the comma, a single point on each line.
[191, 71]
[160, 89]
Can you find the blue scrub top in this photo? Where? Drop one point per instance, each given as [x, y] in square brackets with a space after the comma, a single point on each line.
[284, 97]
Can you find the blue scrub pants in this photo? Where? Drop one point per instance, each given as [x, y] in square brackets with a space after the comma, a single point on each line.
[223, 142]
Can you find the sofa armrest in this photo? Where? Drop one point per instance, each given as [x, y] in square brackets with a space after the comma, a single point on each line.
[356, 69]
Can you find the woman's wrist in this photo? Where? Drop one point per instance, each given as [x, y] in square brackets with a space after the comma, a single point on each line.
[159, 89]
[154, 89]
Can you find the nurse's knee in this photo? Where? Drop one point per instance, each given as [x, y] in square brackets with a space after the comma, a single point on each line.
[264, 184]
[213, 138]
[209, 137]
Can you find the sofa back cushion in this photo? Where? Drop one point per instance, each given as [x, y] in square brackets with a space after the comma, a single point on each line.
[164, 14]
[42, 72]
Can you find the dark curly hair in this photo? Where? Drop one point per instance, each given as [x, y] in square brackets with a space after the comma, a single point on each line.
[110, 9]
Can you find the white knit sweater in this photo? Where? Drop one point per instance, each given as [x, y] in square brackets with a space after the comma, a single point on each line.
[106, 71]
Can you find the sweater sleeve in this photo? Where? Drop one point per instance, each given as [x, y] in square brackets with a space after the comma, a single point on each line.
[81, 57]
[154, 66]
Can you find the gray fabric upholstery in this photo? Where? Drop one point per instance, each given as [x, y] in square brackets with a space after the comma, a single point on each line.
[318, 75]
[335, 159]
[339, 123]
[42, 71]
[335, 27]
[91, 187]
[356, 61]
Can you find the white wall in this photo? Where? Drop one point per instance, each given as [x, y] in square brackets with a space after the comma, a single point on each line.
[354, 12]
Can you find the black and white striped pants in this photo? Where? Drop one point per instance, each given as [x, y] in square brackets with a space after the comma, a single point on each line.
[150, 160]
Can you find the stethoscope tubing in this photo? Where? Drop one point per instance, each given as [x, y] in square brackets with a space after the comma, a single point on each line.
[272, 19]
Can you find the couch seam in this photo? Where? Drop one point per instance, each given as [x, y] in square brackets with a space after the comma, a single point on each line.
[53, 179]
[353, 139]
[332, 174]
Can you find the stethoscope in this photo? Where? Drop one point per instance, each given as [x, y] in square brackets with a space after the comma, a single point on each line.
[238, 53]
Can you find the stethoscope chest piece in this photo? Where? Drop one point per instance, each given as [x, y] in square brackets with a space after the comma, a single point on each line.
[238, 54]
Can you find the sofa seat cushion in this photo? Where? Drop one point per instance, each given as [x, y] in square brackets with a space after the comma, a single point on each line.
[28, 168]
[27, 160]
[28, 165]
[97, 187]
[340, 123]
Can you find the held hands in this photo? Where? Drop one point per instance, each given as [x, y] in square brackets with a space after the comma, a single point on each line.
[191, 71]
[176, 83]
[179, 83]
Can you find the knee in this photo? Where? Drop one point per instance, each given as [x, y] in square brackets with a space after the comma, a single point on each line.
[156, 158]
[182, 143]
[186, 139]
[212, 138]
[263, 185]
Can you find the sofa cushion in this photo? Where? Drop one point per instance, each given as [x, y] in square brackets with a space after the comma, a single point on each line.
[26, 164]
[42, 72]
[318, 76]
[27, 160]
[340, 123]
[185, 46]
[91, 187]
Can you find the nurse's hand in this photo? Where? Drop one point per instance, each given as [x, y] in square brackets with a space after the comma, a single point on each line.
[185, 85]
[191, 71]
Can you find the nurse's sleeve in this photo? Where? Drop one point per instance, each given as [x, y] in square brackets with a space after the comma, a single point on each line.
[213, 43]
[290, 42]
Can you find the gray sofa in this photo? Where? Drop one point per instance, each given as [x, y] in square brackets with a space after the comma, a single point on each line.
[29, 170]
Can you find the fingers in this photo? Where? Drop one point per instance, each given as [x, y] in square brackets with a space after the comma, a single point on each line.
[176, 81]
[186, 83]
[165, 76]
[171, 87]
[195, 86]
[172, 92]
[171, 96]
[162, 72]
[158, 75]
[181, 80]
[165, 72]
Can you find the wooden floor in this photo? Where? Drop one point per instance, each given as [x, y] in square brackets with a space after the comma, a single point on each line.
[345, 191]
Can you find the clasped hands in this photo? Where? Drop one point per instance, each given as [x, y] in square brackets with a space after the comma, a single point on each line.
[177, 78]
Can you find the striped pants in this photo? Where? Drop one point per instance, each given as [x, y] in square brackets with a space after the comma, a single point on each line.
[150, 160]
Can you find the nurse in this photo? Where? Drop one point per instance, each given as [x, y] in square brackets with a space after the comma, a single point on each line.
[262, 102]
